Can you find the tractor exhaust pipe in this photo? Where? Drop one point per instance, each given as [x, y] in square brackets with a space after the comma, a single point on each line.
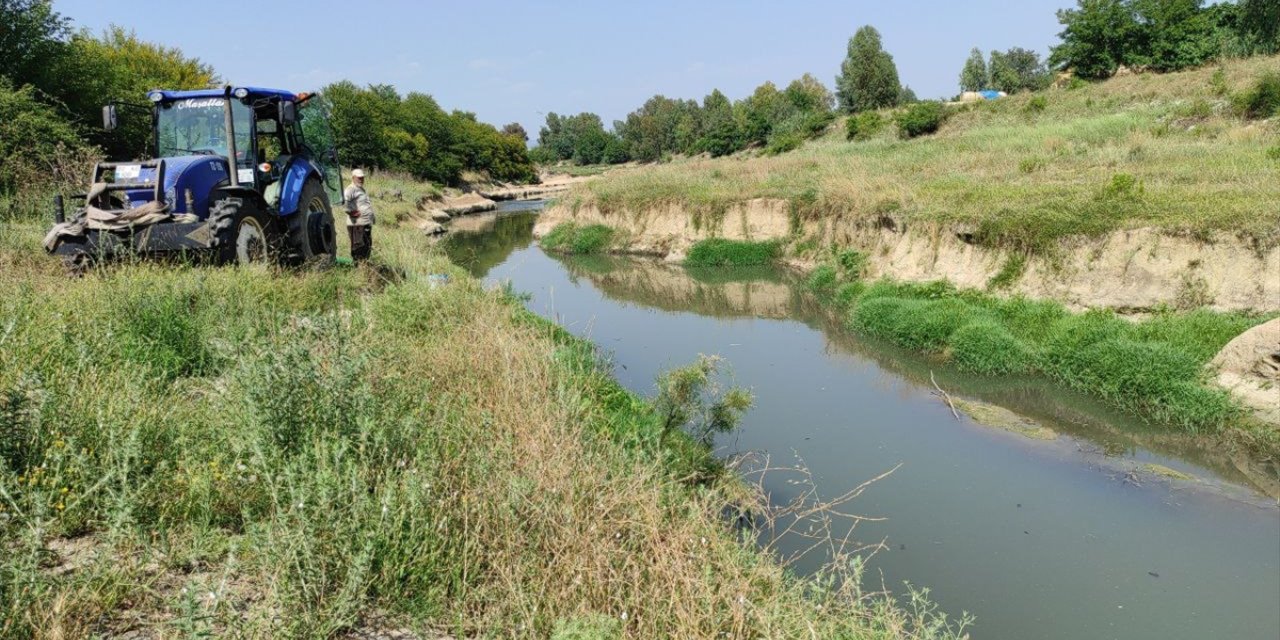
[231, 139]
[59, 209]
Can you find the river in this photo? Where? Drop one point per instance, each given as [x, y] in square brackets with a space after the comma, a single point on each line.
[1036, 538]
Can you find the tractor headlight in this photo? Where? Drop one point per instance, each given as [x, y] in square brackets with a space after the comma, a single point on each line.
[241, 93]
[155, 96]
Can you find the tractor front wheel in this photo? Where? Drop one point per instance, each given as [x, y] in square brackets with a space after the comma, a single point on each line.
[312, 235]
[240, 236]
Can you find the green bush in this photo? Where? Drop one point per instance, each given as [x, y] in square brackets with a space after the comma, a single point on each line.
[781, 143]
[823, 278]
[1263, 100]
[568, 237]
[40, 153]
[1274, 152]
[862, 126]
[1037, 104]
[718, 252]
[987, 347]
[921, 118]
[853, 263]
[848, 293]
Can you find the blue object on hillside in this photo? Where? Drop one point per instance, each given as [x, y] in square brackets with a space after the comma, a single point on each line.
[989, 94]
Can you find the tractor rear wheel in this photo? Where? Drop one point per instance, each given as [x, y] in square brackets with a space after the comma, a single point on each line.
[312, 236]
[240, 236]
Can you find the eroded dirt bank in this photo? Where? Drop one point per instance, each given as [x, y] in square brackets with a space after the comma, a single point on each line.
[1130, 270]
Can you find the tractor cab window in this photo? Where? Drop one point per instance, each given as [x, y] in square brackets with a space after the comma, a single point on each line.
[197, 126]
[317, 139]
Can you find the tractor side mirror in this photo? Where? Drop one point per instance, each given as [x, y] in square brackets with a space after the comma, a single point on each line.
[110, 121]
[288, 112]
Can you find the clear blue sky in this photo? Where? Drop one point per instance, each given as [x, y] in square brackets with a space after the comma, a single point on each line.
[515, 61]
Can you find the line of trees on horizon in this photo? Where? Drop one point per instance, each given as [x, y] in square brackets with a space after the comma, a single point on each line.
[1098, 37]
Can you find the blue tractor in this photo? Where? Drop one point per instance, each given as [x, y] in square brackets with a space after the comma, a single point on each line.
[239, 174]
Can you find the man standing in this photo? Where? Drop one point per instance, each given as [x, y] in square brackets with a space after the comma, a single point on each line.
[360, 217]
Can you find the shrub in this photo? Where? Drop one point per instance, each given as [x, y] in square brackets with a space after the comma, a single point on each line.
[718, 252]
[920, 119]
[39, 153]
[1218, 82]
[987, 347]
[1031, 165]
[848, 293]
[783, 142]
[568, 237]
[1037, 104]
[852, 263]
[823, 278]
[1263, 100]
[1274, 153]
[863, 126]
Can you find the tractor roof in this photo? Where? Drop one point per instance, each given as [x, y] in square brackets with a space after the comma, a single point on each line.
[254, 92]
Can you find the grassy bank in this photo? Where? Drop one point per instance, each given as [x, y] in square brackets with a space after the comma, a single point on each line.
[579, 239]
[1153, 367]
[195, 451]
[1168, 151]
[718, 252]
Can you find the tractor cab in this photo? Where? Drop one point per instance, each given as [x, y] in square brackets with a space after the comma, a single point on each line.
[243, 172]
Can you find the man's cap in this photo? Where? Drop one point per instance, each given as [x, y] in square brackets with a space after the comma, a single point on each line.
[357, 173]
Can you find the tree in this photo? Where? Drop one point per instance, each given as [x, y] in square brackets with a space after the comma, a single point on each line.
[807, 93]
[907, 96]
[761, 111]
[1174, 34]
[32, 37]
[1258, 23]
[661, 126]
[974, 75]
[118, 66]
[722, 135]
[1097, 37]
[868, 77]
[516, 130]
[359, 123]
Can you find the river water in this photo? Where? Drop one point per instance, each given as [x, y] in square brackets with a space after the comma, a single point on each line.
[1060, 538]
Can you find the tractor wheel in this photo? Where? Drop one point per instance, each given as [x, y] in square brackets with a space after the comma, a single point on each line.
[239, 236]
[312, 237]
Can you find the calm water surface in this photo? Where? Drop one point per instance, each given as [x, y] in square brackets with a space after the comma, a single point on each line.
[1037, 539]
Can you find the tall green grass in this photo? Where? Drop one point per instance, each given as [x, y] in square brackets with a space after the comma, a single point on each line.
[718, 252]
[572, 238]
[1155, 367]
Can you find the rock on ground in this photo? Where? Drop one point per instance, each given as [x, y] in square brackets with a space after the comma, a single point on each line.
[1249, 367]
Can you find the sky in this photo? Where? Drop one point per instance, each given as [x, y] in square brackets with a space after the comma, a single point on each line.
[517, 61]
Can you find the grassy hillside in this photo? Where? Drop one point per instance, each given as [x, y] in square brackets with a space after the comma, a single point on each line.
[1167, 151]
[192, 451]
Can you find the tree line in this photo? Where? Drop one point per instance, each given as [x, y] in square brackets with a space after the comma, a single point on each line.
[771, 118]
[54, 80]
[1098, 37]
[374, 126]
